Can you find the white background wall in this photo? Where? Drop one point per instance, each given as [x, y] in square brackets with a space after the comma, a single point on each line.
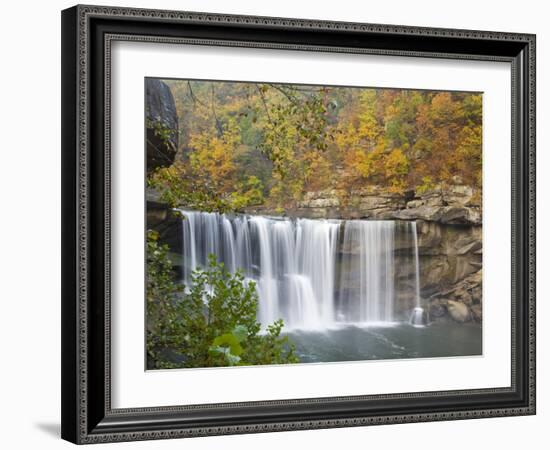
[30, 223]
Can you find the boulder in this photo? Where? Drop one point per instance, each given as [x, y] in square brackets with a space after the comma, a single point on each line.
[161, 123]
[459, 311]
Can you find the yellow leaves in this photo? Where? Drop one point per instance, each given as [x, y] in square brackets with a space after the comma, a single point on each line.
[368, 97]
[360, 163]
[317, 170]
[472, 107]
[389, 168]
[298, 139]
[470, 141]
[427, 185]
[249, 192]
[396, 164]
[363, 162]
[214, 155]
[444, 108]
[422, 148]
[346, 137]
[360, 128]
[368, 127]
[397, 170]
[468, 152]
[364, 132]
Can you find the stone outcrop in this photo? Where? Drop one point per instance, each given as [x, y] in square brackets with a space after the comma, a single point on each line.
[369, 203]
[456, 204]
[442, 214]
[161, 123]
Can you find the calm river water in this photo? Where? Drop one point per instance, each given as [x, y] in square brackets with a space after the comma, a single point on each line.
[399, 341]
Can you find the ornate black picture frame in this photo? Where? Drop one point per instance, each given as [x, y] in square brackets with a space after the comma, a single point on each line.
[87, 35]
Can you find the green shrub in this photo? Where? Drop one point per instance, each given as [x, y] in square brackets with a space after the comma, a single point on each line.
[212, 324]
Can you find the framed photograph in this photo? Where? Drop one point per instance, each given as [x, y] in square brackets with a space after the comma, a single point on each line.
[282, 224]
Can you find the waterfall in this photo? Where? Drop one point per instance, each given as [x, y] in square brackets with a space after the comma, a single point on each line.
[313, 274]
[268, 285]
[416, 264]
[418, 316]
[368, 274]
[316, 250]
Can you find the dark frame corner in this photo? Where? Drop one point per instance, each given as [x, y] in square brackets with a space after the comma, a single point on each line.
[87, 31]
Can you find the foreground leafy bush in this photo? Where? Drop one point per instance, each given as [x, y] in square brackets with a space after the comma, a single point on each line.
[212, 324]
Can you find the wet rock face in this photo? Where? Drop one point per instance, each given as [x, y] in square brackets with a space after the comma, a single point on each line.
[167, 223]
[450, 259]
[161, 123]
[462, 302]
[448, 253]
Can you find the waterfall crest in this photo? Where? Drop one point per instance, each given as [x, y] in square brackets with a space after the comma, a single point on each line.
[311, 273]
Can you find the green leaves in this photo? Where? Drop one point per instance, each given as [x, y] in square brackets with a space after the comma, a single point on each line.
[240, 332]
[229, 345]
[230, 341]
[212, 324]
[161, 130]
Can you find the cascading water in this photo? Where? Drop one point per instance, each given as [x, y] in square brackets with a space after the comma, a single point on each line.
[416, 263]
[418, 318]
[368, 273]
[313, 274]
[316, 243]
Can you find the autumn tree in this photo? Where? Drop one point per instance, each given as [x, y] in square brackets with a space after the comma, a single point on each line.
[251, 144]
[411, 139]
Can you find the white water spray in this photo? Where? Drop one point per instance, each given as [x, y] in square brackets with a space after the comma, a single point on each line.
[313, 274]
